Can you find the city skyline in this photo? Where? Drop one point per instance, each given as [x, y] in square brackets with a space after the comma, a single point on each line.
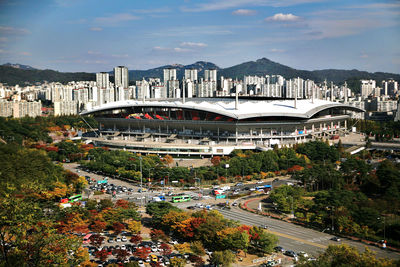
[304, 34]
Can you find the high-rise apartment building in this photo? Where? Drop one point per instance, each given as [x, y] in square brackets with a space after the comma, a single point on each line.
[390, 87]
[191, 74]
[210, 75]
[169, 74]
[367, 87]
[103, 80]
[121, 75]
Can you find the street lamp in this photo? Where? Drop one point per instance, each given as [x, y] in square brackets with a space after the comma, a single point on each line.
[141, 181]
[384, 226]
[332, 217]
[292, 211]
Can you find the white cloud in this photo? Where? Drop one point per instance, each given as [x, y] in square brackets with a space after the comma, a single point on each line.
[3, 39]
[282, 17]
[227, 4]
[174, 49]
[191, 44]
[364, 55]
[96, 29]
[276, 50]
[25, 54]
[117, 18]
[244, 12]
[120, 56]
[152, 10]
[11, 30]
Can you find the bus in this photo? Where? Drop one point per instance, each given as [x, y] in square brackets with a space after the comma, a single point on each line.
[183, 198]
[75, 198]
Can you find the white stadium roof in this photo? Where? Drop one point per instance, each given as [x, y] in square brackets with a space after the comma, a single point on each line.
[224, 106]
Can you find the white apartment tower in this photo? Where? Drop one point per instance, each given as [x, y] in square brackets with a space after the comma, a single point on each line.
[121, 75]
[367, 87]
[169, 74]
[210, 75]
[103, 80]
[191, 74]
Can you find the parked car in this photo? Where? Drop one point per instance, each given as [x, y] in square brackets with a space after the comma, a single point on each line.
[290, 253]
[302, 253]
[279, 249]
[335, 238]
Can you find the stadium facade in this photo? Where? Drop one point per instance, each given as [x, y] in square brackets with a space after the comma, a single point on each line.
[216, 126]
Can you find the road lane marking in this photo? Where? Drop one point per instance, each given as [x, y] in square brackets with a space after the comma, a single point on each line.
[298, 239]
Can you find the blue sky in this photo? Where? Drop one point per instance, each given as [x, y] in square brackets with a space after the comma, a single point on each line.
[96, 35]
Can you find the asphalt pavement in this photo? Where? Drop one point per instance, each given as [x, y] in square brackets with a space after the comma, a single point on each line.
[298, 238]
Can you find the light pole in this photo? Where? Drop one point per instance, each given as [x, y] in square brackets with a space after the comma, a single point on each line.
[384, 226]
[141, 181]
[332, 218]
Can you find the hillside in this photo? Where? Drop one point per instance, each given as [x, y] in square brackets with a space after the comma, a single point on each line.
[13, 76]
[17, 75]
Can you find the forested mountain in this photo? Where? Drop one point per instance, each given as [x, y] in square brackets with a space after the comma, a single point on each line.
[13, 75]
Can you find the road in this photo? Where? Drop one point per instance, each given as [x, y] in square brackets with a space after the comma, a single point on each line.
[298, 238]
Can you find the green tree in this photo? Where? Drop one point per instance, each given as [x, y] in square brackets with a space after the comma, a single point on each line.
[222, 258]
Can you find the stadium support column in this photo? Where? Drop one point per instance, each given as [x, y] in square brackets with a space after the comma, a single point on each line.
[345, 125]
[218, 133]
[183, 93]
[236, 134]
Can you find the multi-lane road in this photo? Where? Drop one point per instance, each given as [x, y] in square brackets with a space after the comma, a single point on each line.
[297, 238]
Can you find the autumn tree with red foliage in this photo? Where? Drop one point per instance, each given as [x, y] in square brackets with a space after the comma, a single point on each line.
[98, 226]
[198, 261]
[118, 227]
[102, 255]
[121, 254]
[157, 234]
[135, 239]
[96, 240]
[122, 203]
[216, 160]
[165, 249]
[142, 252]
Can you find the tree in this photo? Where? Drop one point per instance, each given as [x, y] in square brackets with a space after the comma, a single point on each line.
[105, 203]
[345, 255]
[134, 226]
[156, 235]
[96, 240]
[222, 258]
[135, 239]
[167, 159]
[142, 252]
[216, 160]
[165, 249]
[197, 248]
[177, 262]
[183, 248]
[98, 226]
[121, 254]
[102, 255]
[263, 241]
[118, 227]
[197, 260]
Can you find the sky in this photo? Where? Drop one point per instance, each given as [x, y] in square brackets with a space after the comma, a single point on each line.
[97, 35]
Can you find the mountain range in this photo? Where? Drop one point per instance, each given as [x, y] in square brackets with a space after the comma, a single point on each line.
[19, 74]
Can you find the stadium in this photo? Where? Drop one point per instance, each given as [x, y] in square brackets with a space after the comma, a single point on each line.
[215, 126]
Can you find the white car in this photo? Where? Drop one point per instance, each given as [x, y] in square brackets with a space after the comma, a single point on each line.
[154, 249]
[123, 239]
[260, 182]
[123, 247]
[302, 253]
[118, 239]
